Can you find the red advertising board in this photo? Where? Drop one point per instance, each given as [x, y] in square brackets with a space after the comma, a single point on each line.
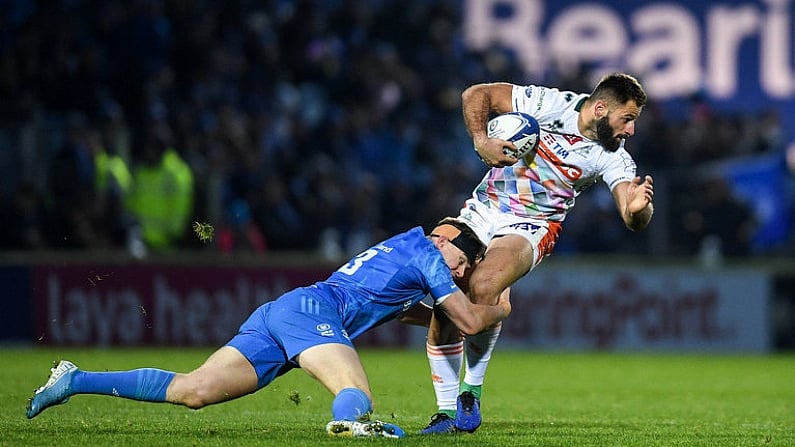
[148, 304]
[142, 305]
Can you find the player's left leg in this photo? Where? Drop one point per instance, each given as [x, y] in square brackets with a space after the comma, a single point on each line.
[55, 391]
[66, 380]
[445, 351]
[338, 368]
[225, 375]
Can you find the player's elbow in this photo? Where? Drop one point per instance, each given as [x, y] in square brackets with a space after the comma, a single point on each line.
[472, 327]
[632, 226]
[467, 94]
[468, 331]
[476, 94]
[635, 227]
[640, 220]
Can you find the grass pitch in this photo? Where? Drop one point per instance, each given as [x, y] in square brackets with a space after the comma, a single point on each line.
[530, 399]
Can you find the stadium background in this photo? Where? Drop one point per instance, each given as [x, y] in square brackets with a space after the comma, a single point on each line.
[311, 129]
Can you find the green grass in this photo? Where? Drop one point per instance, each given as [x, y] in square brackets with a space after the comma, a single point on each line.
[534, 399]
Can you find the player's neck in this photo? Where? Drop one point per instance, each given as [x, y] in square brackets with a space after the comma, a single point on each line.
[586, 121]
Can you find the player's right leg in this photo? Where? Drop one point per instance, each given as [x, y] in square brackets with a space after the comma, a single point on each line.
[508, 258]
[338, 368]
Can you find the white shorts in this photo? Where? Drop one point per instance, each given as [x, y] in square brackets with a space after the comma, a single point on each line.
[489, 223]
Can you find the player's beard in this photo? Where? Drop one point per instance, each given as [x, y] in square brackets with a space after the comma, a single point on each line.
[604, 134]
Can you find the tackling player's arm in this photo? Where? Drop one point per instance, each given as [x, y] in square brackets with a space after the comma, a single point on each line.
[634, 202]
[478, 103]
[474, 318]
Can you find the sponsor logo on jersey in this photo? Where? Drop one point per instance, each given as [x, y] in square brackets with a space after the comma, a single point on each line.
[325, 330]
[572, 139]
[540, 99]
[526, 226]
[553, 152]
[466, 217]
[383, 248]
[556, 125]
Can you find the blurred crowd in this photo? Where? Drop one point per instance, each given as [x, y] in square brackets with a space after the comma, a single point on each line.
[297, 125]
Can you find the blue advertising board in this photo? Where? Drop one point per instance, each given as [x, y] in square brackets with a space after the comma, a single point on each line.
[738, 54]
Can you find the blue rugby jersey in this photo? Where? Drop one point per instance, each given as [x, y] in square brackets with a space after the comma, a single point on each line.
[387, 279]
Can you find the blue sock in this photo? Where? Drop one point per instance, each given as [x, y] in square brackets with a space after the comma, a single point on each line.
[350, 405]
[147, 384]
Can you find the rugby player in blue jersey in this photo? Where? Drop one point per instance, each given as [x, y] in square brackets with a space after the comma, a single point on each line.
[312, 328]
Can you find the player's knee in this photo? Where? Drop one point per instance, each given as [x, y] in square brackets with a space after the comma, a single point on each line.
[484, 291]
[196, 399]
[193, 402]
[188, 393]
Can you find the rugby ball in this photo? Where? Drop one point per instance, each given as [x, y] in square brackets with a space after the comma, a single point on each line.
[517, 127]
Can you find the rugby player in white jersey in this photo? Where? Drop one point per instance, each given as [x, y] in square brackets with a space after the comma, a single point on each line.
[518, 209]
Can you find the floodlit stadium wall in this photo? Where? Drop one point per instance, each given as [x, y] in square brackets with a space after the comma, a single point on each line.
[560, 306]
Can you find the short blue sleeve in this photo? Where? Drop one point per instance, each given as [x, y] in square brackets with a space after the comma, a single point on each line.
[437, 274]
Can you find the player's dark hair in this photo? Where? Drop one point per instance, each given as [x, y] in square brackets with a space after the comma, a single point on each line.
[620, 87]
[467, 241]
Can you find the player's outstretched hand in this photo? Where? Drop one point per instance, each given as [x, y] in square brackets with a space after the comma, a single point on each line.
[640, 194]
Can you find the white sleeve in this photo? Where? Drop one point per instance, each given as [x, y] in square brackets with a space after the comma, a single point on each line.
[543, 103]
[620, 167]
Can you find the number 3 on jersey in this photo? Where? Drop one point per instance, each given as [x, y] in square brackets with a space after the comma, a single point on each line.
[351, 267]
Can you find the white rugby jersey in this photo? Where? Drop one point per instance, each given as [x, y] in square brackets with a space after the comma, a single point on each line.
[545, 183]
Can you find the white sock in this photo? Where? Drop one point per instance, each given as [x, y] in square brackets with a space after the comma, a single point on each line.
[478, 353]
[445, 361]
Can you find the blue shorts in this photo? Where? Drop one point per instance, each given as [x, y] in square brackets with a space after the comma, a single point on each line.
[276, 332]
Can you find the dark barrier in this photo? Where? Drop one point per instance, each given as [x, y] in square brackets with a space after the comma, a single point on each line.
[15, 314]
